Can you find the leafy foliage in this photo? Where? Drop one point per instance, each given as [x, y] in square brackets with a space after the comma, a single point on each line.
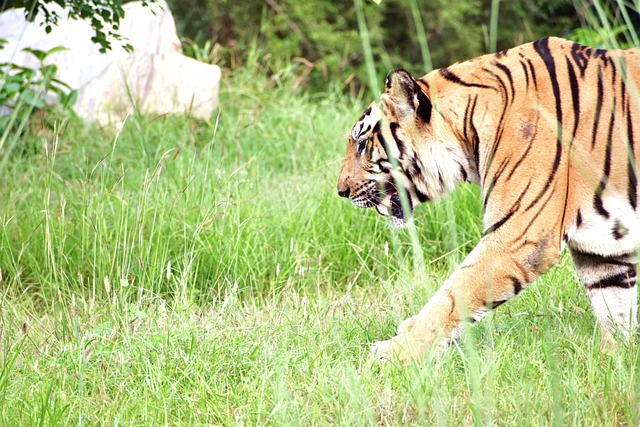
[103, 15]
[23, 90]
[608, 25]
[321, 38]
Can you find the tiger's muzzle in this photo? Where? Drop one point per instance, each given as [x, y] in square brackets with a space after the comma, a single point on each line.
[387, 203]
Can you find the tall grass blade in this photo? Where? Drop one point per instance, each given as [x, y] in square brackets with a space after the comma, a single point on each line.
[421, 35]
[630, 31]
[603, 24]
[363, 30]
[493, 26]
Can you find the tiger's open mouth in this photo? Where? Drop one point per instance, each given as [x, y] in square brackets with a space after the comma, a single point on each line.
[391, 206]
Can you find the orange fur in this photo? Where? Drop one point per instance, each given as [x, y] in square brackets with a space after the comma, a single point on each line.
[548, 130]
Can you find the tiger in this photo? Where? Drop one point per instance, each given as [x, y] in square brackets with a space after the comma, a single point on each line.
[548, 131]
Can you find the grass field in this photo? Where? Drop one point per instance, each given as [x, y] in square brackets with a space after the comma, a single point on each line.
[185, 273]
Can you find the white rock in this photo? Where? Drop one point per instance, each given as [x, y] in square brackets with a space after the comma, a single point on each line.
[156, 77]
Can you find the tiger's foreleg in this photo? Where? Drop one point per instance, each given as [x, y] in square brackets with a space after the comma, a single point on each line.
[495, 271]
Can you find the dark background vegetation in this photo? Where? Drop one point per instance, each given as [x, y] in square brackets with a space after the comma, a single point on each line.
[321, 38]
[318, 42]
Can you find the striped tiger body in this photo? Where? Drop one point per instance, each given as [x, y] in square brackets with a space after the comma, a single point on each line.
[550, 131]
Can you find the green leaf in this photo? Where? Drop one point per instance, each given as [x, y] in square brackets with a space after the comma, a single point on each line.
[49, 70]
[55, 49]
[40, 54]
[27, 73]
[60, 83]
[69, 99]
[30, 97]
[4, 121]
[11, 88]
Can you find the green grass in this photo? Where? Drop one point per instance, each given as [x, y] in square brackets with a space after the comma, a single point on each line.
[184, 273]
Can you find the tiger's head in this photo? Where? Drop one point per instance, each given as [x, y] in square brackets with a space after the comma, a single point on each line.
[401, 152]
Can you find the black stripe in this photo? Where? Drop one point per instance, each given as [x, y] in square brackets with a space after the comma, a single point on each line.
[424, 105]
[542, 48]
[535, 217]
[490, 187]
[526, 74]
[476, 146]
[494, 304]
[533, 73]
[494, 180]
[421, 196]
[463, 172]
[376, 128]
[622, 280]
[590, 258]
[475, 139]
[520, 160]
[575, 97]
[617, 232]
[517, 286]
[504, 87]
[514, 208]
[366, 113]
[447, 74]
[597, 201]
[415, 168]
[496, 144]
[465, 126]
[510, 77]
[361, 143]
[384, 143]
[601, 54]
[545, 188]
[613, 261]
[394, 129]
[525, 272]
[633, 179]
[579, 219]
[623, 94]
[596, 120]
[382, 167]
[581, 59]
[498, 224]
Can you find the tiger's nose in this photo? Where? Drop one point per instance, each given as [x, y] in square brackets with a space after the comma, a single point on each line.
[344, 193]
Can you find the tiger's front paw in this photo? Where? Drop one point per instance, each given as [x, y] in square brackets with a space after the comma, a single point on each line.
[398, 348]
[380, 351]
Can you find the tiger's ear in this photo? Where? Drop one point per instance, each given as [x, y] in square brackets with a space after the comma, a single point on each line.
[408, 95]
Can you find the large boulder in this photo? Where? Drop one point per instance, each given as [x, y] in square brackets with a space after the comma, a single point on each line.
[156, 78]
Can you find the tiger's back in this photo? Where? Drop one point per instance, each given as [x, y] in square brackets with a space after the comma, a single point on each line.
[555, 114]
[573, 125]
